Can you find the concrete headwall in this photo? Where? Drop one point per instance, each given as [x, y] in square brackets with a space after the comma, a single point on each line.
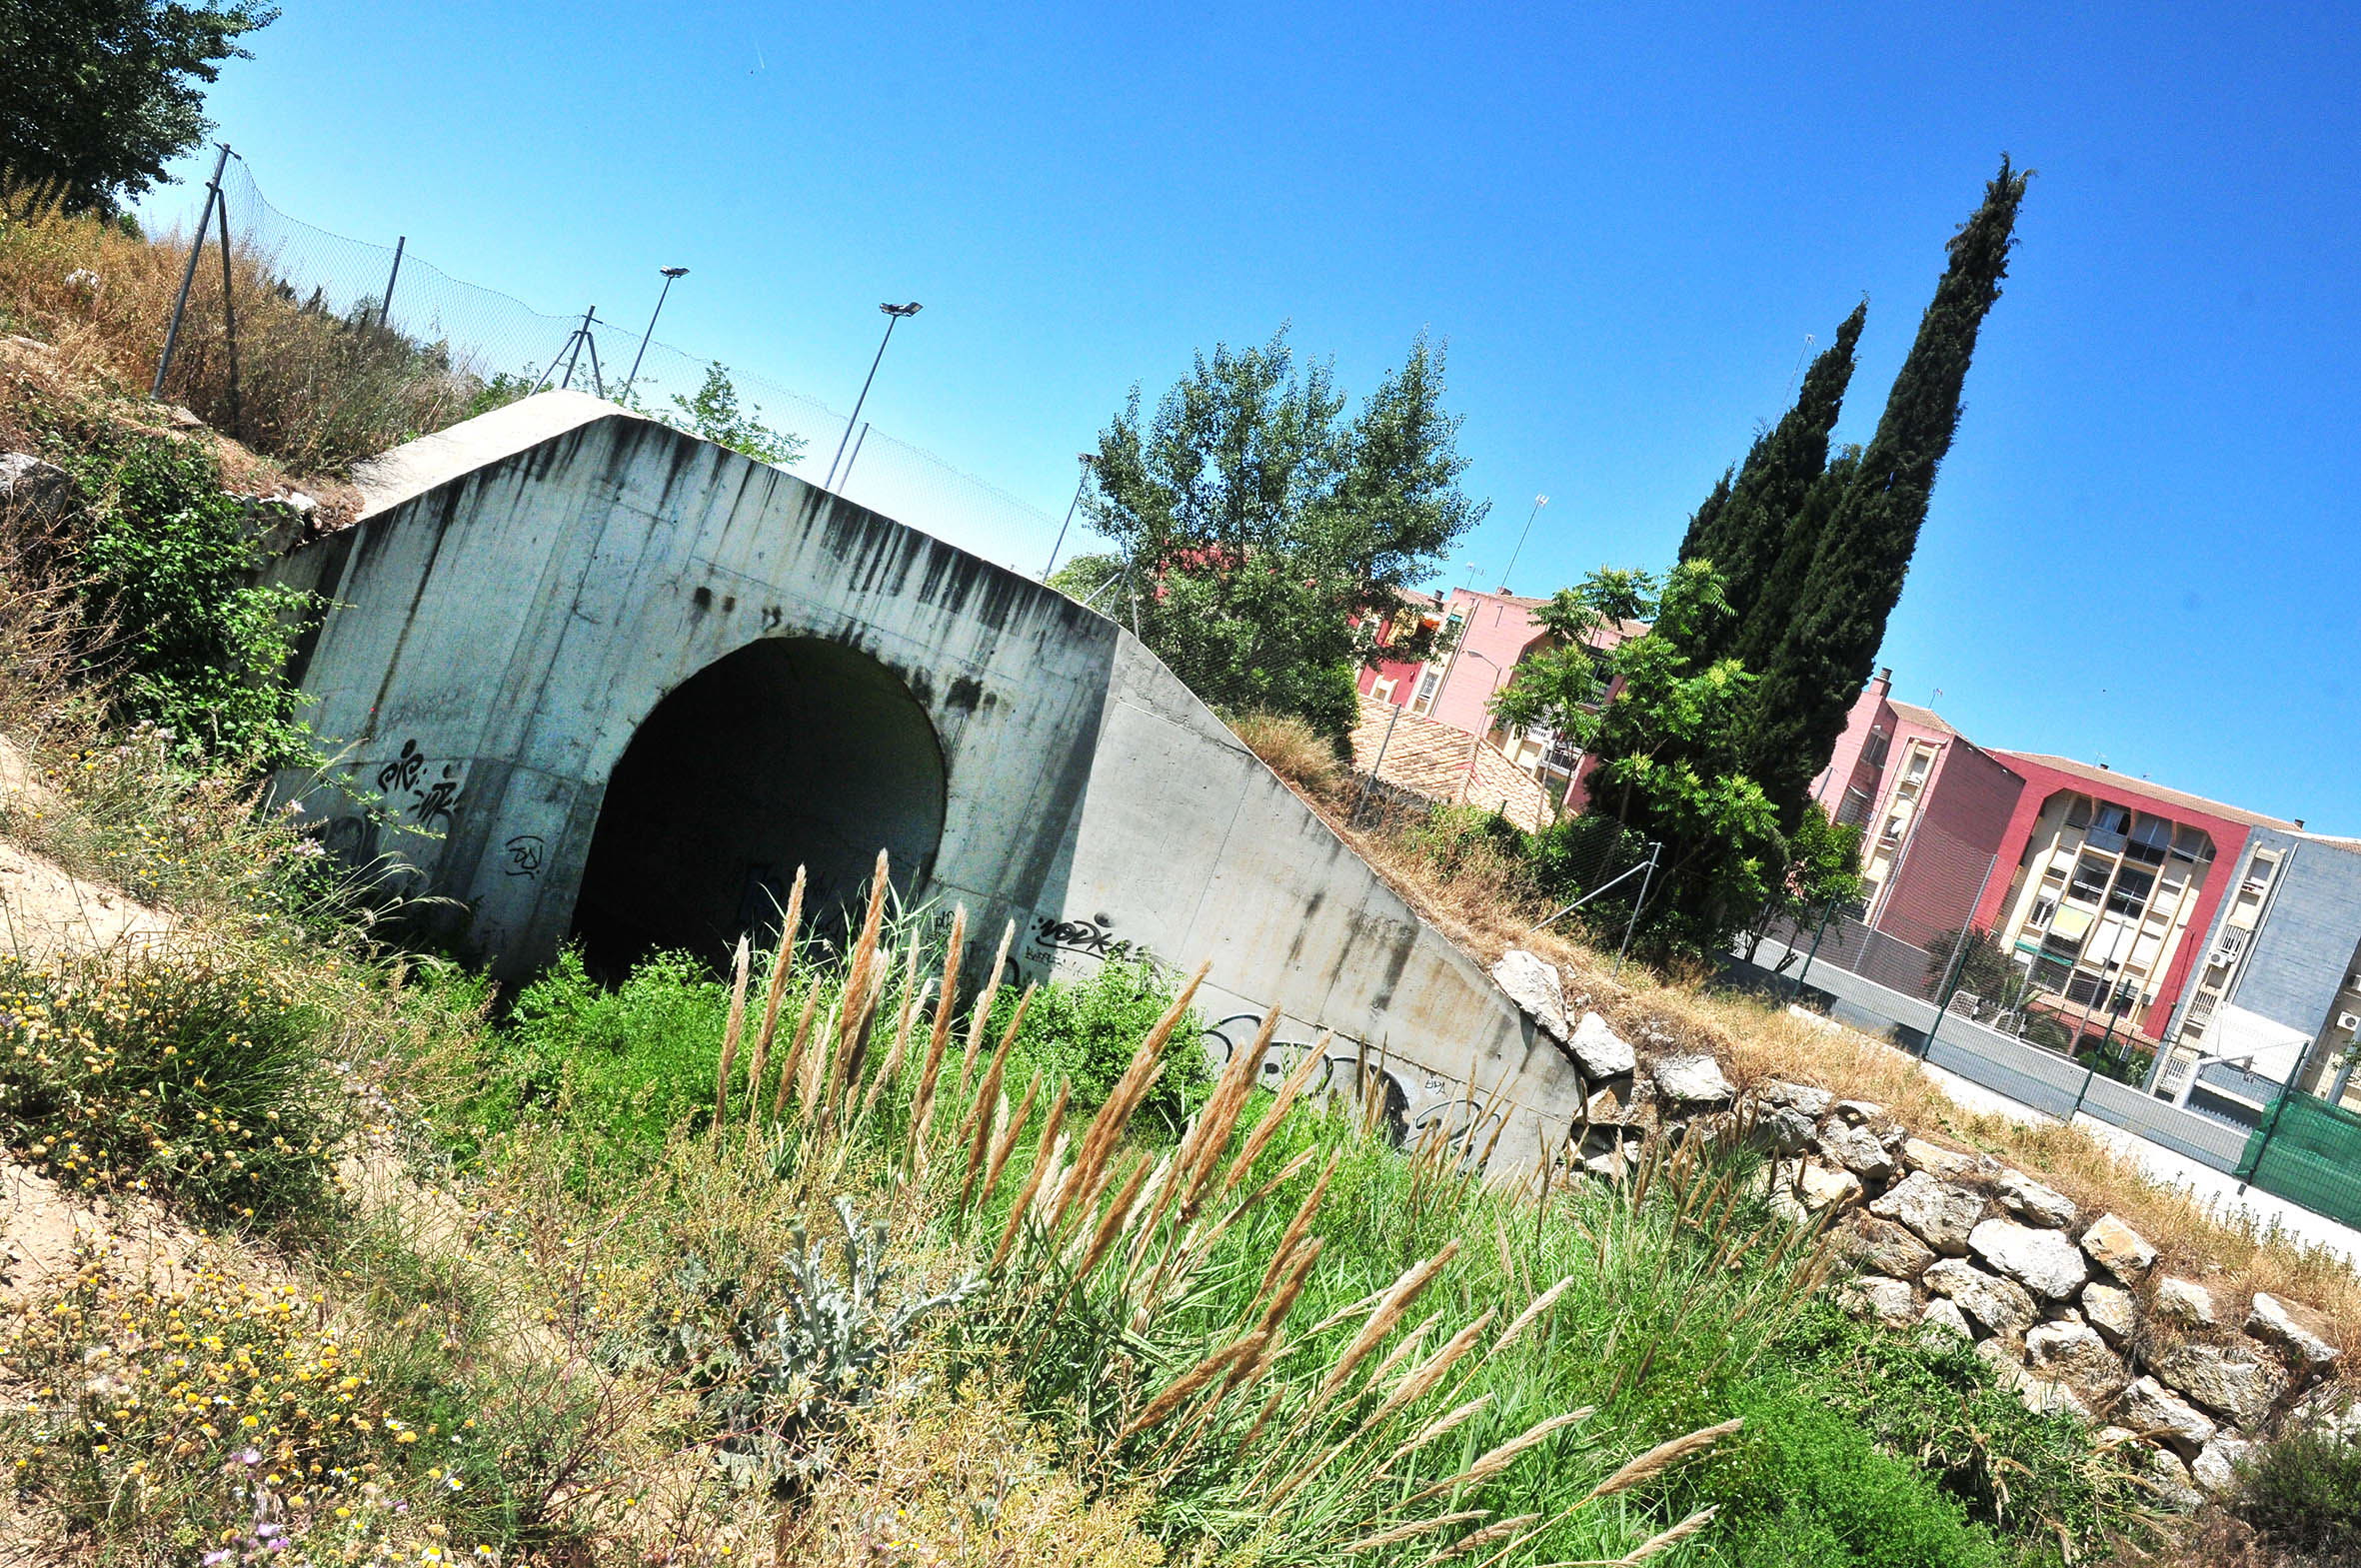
[522, 593]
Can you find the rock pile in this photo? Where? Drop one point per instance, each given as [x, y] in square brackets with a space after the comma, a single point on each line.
[2071, 1308]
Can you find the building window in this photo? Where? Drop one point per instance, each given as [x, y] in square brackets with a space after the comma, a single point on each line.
[2108, 826]
[1873, 749]
[2090, 879]
[2078, 812]
[2258, 871]
[2044, 908]
[2151, 839]
[1921, 759]
[2132, 888]
[1855, 810]
[1426, 685]
[2191, 845]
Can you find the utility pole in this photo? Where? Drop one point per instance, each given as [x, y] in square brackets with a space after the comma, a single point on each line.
[188, 277]
[893, 315]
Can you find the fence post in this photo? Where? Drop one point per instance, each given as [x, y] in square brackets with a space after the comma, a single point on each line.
[2085, 1092]
[229, 317]
[1633, 924]
[385, 308]
[1826, 910]
[1377, 767]
[2270, 1127]
[188, 275]
[1958, 961]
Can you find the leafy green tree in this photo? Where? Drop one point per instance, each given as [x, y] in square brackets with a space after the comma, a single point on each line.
[713, 413]
[1863, 551]
[1667, 749]
[102, 94]
[1748, 524]
[1266, 537]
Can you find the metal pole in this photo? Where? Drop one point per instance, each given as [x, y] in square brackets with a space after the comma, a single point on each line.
[386, 307]
[1633, 924]
[855, 457]
[1538, 503]
[1959, 964]
[1377, 767]
[2270, 1129]
[598, 377]
[228, 312]
[669, 273]
[1080, 486]
[1827, 909]
[893, 320]
[188, 275]
[574, 348]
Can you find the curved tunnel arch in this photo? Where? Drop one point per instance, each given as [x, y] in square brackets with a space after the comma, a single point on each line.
[789, 751]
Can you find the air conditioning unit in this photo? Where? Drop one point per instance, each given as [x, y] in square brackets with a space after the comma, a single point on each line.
[2222, 957]
[2350, 1022]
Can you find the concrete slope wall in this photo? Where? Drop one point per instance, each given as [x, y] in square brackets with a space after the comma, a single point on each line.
[525, 589]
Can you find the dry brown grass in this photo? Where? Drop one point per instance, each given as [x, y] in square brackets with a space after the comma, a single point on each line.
[1292, 749]
[313, 391]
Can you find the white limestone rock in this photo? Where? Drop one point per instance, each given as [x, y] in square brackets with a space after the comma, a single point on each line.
[2174, 1488]
[1892, 1301]
[1941, 1163]
[2034, 1203]
[1692, 1080]
[1822, 1188]
[1943, 1215]
[2216, 1464]
[1884, 1248]
[1784, 1129]
[1943, 1317]
[1603, 1052]
[2152, 1407]
[2186, 1302]
[2049, 1396]
[2005, 1356]
[2075, 1353]
[2002, 1306]
[2298, 1330]
[1856, 1148]
[2043, 1261]
[2114, 1312]
[2238, 1381]
[2119, 1249]
[1854, 1112]
[1800, 1097]
[1531, 983]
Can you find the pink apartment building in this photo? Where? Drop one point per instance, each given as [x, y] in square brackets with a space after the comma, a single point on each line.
[1491, 635]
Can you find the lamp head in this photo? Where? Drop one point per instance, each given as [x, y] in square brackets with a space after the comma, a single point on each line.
[912, 309]
[674, 272]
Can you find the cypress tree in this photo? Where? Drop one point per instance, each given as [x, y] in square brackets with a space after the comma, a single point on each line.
[1863, 552]
[1780, 596]
[1704, 526]
[1760, 522]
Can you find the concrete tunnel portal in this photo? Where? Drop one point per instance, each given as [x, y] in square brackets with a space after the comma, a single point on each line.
[622, 682]
[791, 750]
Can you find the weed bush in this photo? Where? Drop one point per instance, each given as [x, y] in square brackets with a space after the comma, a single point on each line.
[166, 563]
[195, 1079]
[1083, 1033]
[2303, 1493]
[608, 1073]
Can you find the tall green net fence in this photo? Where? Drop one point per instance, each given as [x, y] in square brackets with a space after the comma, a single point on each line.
[2308, 1150]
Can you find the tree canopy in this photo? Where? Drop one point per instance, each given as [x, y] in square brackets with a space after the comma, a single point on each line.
[102, 94]
[1264, 536]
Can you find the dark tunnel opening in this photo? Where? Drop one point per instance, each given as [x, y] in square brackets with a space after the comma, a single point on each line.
[790, 751]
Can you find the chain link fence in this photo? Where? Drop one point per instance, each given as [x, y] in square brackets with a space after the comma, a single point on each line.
[1915, 964]
[492, 338]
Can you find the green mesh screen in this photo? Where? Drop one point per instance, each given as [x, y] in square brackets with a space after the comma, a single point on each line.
[2309, 1151]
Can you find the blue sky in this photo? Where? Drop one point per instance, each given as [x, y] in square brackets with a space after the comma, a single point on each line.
[2143, 549]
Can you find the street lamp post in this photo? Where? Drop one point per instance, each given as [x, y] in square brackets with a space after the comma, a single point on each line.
[1538, 503]
[1499, 676]
[670, 274]
[893, 315]
[1080, 485]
